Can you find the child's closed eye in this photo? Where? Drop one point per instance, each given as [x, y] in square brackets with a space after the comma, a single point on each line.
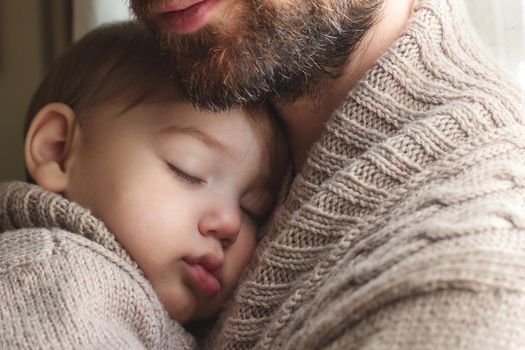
[184, 176]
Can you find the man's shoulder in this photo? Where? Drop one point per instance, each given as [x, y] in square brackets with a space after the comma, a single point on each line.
[460, 221]
[463, 220]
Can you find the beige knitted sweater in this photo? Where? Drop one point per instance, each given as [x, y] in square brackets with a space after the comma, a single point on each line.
[65, 283]
[406, 228]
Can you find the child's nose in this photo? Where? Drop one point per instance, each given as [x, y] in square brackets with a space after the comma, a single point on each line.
[223, 222]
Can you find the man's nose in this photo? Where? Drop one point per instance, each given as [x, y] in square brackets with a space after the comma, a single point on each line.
[223, 221]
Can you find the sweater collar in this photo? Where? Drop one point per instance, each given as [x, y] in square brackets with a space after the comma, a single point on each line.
[434, 62]
[24, 205]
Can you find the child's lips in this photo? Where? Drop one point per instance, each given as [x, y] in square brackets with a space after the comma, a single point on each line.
[206, 273]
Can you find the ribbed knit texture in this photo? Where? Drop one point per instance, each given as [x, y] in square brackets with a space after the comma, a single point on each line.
[406, 227]
[66, 283]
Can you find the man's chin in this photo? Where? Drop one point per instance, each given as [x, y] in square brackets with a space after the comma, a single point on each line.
[212, 74]
[211, 93]
[271, 54]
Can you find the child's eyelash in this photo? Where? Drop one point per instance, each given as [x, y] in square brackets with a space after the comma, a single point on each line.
[185, 176]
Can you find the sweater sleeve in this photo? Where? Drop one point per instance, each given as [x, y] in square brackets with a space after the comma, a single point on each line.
[449, 276]
[446, 319]
[61, 291]
[433, 313]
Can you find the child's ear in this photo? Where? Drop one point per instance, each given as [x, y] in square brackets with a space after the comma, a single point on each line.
[48, 146]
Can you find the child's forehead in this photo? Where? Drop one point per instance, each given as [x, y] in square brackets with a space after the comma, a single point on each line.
[231, 132]
[157, 116]
[180, 115]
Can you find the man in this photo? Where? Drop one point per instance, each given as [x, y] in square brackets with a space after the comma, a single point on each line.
[404, 227]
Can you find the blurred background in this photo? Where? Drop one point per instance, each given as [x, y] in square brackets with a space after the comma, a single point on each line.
[34, 32]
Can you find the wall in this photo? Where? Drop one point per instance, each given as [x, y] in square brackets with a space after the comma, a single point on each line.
[20, 71]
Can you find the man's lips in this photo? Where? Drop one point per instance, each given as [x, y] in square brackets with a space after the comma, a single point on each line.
[206, 273]
[187, 16]
[178, 6]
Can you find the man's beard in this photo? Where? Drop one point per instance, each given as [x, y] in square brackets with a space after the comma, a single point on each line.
[276, 52]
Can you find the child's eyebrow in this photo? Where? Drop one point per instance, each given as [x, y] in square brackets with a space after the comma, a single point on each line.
[200, 135]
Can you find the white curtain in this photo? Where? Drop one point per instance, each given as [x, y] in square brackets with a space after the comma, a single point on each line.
[500, 24]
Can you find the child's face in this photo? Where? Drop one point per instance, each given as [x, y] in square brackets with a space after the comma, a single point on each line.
[179, 188]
